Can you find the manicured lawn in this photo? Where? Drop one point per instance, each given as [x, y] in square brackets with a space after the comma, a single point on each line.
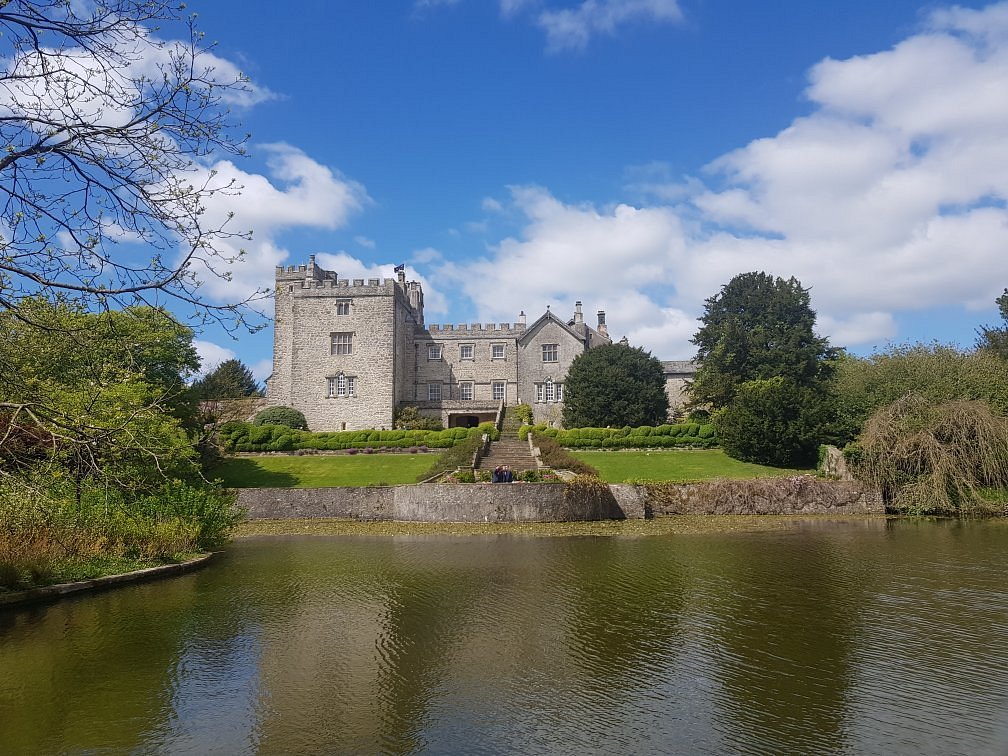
[321, 471]
[675, 465]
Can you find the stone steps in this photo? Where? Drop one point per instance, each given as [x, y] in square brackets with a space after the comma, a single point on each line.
[511, 452]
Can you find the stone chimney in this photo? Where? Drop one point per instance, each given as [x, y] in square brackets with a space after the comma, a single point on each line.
[601, 324]
[521, 318]
[578, 315]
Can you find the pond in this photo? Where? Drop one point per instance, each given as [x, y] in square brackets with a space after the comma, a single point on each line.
[861, 637]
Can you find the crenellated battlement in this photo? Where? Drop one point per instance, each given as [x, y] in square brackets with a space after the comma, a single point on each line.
[313, 276]
[341, 283]
[474, 329]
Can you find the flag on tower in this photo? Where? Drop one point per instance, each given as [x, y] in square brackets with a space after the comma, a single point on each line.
[400, 268]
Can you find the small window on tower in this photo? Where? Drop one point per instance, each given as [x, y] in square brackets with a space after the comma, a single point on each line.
[342, 343]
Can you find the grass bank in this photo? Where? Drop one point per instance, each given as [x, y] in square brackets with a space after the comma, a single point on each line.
[51, 534]
[675, 465]
[320, 471]
[660, 526]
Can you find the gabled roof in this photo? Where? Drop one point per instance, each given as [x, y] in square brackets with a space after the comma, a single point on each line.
[548, 317]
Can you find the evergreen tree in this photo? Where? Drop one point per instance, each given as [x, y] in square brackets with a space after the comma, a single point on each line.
[615, 385]
[232, 379]
[764, 371]
[756, 328]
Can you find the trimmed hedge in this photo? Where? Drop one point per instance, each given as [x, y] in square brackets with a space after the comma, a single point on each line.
[691, 435]
[242, 437]
[287, 416]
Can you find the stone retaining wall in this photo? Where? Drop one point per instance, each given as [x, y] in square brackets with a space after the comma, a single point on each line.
[558, 502]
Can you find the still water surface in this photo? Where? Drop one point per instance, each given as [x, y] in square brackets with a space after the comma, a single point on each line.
[824, 638]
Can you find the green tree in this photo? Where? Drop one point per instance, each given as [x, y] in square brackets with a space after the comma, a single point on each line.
[995, 340]
[774, 422]
[232, 379]
[100, 395]
[616, 385]
[757, 327]
[936, 372]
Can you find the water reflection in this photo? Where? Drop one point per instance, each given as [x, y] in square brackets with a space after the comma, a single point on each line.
[828, 638]
[785, 617]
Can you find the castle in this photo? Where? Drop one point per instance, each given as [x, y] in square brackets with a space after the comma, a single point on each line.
[349, 353]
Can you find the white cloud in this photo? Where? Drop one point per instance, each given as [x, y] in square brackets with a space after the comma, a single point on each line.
[891, 194]
[512, 7]
[363, 241]
[211, 355]
[576, 253]
[262, 369]
[347, 266]
[573, 28]
[426, 255]
[297, 192]
[888, 197]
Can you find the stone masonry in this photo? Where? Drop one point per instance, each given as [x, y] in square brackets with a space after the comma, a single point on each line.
[348, 353]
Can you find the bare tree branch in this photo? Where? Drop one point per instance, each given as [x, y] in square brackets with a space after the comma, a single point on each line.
[106, 137]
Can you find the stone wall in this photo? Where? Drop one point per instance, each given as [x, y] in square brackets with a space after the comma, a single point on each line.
[557, 502]
[311, 305]
[482, 369]
[431, 502]
[802, 494]
[533, 370]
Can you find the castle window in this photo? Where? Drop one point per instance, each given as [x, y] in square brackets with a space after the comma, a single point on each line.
[498, 390]
[433, 351]
[550, 352]
[340, 386]
[466, 351]
[342, 306]
[342, 343]
[434, 392]
[466, 391]
[549, 391]
[497, 352]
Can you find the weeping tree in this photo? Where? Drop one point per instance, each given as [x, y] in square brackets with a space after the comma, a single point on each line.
[934, 458]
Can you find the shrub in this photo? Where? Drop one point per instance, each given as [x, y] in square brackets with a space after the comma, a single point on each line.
[555, 456]
[524, 413]
[699, 416]
[933, 458]
[286, 416]
[411, 419]
[772, 422]
[455, 455]
[262, 434]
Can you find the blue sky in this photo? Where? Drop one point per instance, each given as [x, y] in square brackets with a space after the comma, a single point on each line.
[633, 154]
